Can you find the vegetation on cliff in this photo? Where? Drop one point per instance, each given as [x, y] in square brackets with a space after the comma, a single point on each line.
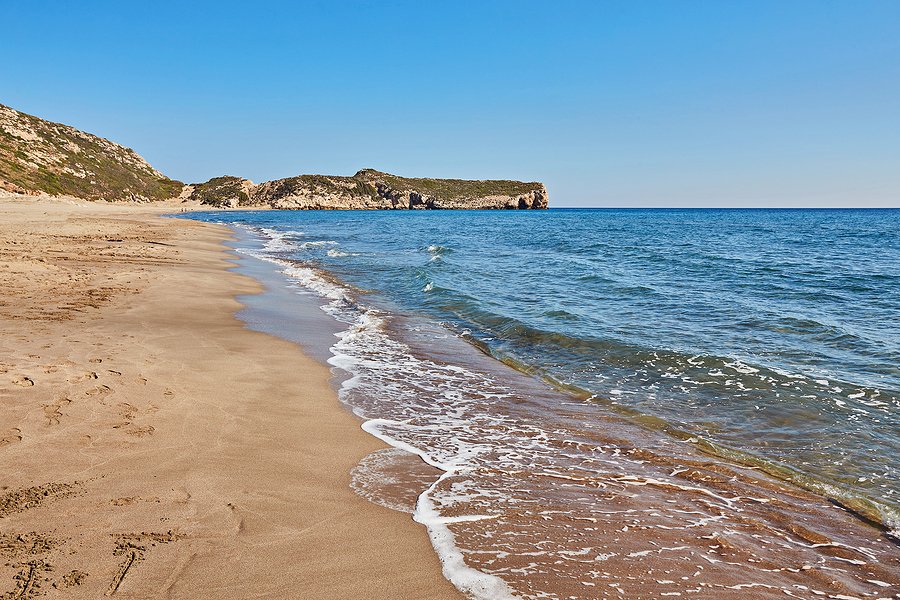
[41, 156]
[222, 192]
[370, 189]
[449, 189]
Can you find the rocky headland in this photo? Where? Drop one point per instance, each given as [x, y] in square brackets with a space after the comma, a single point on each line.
[39, 156]
[369, 189]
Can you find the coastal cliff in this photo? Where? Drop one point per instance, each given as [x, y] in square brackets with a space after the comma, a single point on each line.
[369, 189]
[39, 156]
[42, 156]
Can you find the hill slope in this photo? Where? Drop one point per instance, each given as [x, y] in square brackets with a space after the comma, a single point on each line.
[41, 156]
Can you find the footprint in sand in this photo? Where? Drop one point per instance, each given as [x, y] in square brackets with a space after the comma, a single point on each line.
[52, 414]
[73, 578]
[84, 377]
[52, 411]
[140, 431]
[28, 554]
[23, 381]
[11, 436]
[100, 390]
[127, 411]
[22, 499]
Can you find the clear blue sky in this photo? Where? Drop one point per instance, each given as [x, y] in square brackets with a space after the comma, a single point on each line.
[631, 103]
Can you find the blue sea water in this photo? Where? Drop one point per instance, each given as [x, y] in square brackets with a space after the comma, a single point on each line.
[768, 337]
[773, 332]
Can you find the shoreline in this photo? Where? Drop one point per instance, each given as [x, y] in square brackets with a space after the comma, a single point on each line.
[177, 427]
[807, 532]
[397, 476]
[863, 508]
[148, 444]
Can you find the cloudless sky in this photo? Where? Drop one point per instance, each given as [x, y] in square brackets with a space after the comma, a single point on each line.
[631, 103]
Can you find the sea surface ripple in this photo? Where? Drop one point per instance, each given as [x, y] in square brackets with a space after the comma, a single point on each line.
[770, 338]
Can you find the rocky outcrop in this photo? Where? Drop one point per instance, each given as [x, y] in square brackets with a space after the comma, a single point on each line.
[372, 190]
[41, 156]
[222, 192]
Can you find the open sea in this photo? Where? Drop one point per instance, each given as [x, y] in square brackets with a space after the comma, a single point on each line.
[618, 403]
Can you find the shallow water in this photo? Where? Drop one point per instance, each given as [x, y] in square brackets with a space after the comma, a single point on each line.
[768, 337]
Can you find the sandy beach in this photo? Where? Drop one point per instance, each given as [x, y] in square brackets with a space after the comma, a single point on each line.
[152, 446]
[394, 300]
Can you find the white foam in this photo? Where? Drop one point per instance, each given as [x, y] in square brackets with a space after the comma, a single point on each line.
[315, 244]
[371, 474]
[741, 367]
[340, 253]
[364, 345]
[465, 578]
[436, 252]
[276, 241]
[312, 280]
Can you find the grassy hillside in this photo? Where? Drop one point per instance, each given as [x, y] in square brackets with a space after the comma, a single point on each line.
[38, 155]
[225, 191]
[449, 189]
[371, 189]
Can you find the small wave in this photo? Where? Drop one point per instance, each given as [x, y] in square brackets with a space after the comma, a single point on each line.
[392, 478]
[560, 314]
[276, 240]
[478, 584]
[437, 252]
[311, 279]
[340, 253]
[316, 244]
[741, 367]
[371, 473]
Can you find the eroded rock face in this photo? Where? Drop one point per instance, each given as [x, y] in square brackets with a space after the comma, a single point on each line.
[372, 190]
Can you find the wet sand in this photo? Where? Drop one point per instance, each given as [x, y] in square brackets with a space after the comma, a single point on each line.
[152, 446]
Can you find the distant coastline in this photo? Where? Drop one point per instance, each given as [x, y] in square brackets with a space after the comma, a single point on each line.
[38, 156]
